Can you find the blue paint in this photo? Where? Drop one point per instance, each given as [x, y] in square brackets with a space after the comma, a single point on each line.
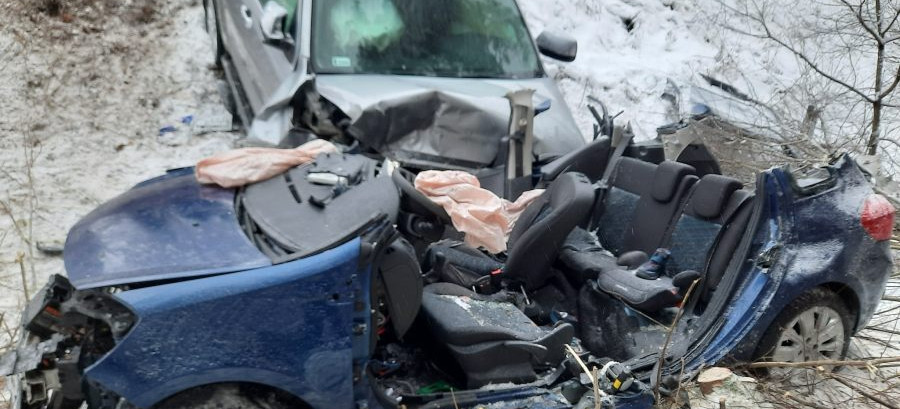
[738, 320]
[821, 242]
[288, 326]
[166, 129]
[305, 326]
[170, 227]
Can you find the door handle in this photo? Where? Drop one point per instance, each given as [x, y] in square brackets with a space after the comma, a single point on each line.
[248, 18]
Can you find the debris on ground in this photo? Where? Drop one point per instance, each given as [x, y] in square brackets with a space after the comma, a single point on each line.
[713, 377]
[736, 392]
[85, 86]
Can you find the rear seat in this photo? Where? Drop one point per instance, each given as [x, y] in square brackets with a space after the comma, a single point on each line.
[702, 243]
[632, 221]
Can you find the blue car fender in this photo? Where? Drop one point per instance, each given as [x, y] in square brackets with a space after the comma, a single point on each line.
[288, 326]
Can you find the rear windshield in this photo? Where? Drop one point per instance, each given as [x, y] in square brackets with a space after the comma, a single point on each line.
[445, 38]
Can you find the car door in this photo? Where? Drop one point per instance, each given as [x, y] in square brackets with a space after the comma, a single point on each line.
[262, 63]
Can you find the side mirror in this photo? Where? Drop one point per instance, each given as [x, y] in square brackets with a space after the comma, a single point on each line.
[272, 22]
[557, 46]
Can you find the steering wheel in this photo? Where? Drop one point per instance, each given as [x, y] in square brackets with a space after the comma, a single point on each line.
[416, 201]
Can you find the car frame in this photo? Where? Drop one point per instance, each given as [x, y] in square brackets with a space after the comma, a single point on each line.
[172, 330]
[273, 89]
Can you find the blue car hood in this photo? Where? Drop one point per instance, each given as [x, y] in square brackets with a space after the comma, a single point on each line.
[165, 228]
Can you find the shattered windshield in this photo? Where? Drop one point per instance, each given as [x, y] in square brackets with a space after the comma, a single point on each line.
[445, 38]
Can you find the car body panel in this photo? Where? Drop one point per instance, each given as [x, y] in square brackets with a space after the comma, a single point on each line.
[810, 240]
[306, 326]
[250, 326]
[262, 66]
[270, 87]
[166, 228]
[826, 247]
[454, 118]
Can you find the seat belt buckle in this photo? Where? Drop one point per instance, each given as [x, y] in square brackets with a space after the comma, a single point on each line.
[489, 283]
[495, 277]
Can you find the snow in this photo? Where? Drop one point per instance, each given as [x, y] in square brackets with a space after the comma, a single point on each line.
[86, 92]
[672, 43]
[627, 70]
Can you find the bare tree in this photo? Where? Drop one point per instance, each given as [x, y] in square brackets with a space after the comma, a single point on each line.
[852, 44]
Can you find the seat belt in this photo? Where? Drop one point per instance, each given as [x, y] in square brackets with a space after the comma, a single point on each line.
[521, 141]
[602, 185]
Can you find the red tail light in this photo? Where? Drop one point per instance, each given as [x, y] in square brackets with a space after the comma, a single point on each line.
[877, 217]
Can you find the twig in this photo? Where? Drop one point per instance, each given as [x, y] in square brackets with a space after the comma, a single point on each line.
[678, 389]
[812, 364]
[595, 383]
[865, 393]
[453, 396]
[20, 259]
[669, 333]
[888, 331]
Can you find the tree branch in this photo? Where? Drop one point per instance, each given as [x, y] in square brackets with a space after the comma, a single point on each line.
[859, 18]
[812, 364]
[867, 394]
[893, 20]
[893, 85]
[813, 65]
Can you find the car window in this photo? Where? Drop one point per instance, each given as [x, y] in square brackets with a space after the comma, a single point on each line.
[448, 38]
[290, 22]
[290, 26]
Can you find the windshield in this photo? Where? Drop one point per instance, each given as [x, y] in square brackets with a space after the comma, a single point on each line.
[445, 38]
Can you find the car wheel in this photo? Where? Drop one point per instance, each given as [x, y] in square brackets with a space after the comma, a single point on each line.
[212, 27]
[229, 396]
[814, 327]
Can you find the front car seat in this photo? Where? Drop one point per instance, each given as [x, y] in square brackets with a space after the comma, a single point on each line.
[492, 340]
[533, 243]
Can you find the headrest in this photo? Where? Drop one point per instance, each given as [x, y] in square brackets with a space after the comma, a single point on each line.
[667, 178]
[711, 194]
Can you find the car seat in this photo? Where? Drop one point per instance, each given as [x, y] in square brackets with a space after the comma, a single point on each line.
[632, 221]
[701, 244]
[533, 243]
[492, 340]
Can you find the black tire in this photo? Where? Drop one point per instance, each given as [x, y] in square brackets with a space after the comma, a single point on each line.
[818, 302]
[211, 21]
[228, 396]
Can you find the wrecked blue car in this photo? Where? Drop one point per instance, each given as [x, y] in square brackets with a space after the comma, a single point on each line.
[337, 285]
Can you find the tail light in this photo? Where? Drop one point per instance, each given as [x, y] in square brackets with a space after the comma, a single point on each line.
[877, 217]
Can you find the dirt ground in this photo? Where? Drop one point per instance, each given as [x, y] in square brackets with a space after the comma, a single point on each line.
[85, 86]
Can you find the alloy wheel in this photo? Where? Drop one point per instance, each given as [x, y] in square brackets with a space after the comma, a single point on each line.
[815, 334]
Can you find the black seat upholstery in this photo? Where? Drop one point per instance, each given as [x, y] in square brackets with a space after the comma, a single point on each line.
[399, 275]
[492, 340]
[701, 243]
[537, 236]
[632, 221]
[589, 160]
[533, 243]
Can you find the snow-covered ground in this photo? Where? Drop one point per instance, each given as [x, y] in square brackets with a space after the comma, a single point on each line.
[82, 98]
[628, 53]
[84, 92]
